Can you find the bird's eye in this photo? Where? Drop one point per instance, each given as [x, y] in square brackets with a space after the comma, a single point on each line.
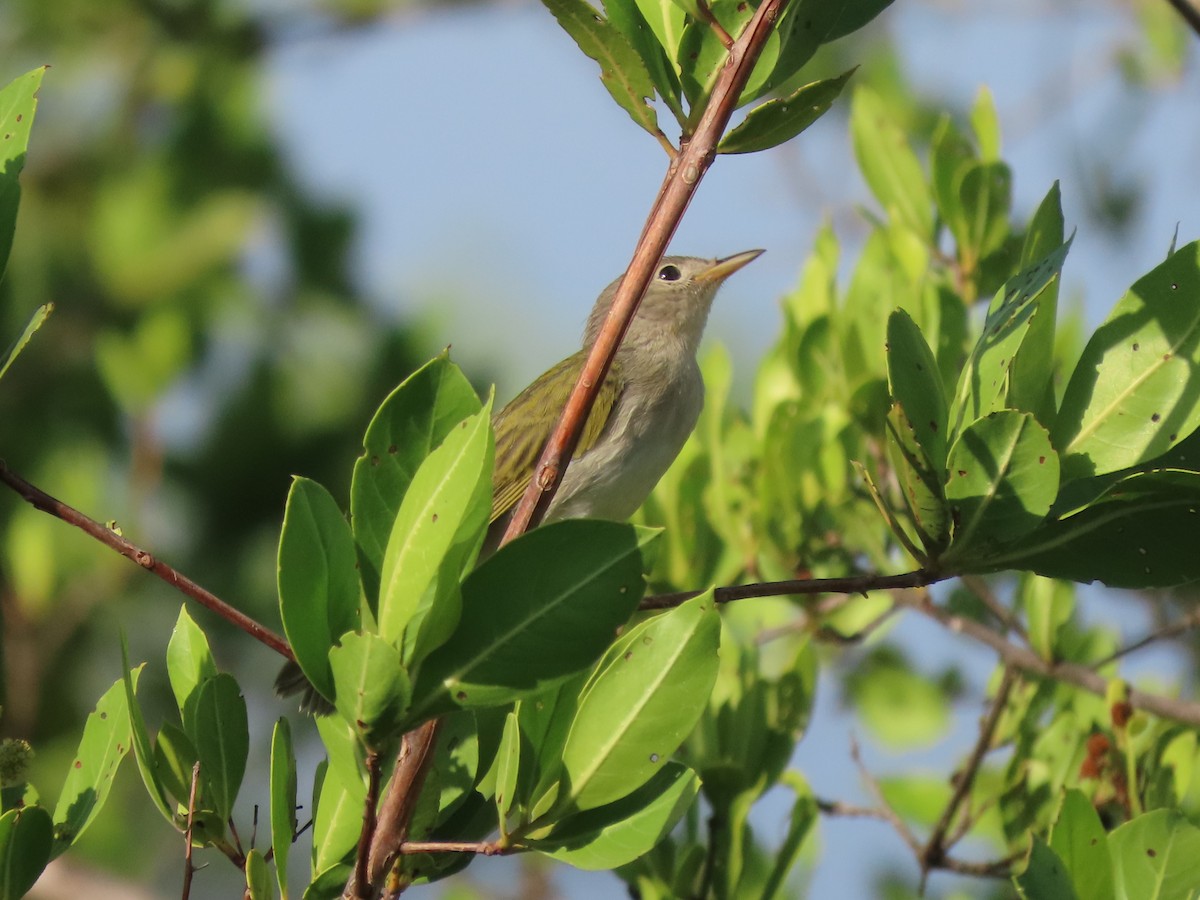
[669, 273]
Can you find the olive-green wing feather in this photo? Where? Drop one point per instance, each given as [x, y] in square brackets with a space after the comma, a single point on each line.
[519, 444]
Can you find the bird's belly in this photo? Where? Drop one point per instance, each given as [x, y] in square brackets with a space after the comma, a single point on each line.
[614, 478]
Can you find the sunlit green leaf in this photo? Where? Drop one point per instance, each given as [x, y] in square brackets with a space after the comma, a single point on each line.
[189, 662]
[888, 163]
[18, 104]
[35, 322]
[1080, 842]
[1155, 857]
[1045, 875]
[371, 684]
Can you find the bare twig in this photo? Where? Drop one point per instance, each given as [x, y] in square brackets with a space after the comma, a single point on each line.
[1189, 13]
[854, 584]
[39, 499]
[1170, 630]
[684, 175]
[361, 880]
[850, 810]
[188, 868]
[984, 593]
[482, 848]
[884, 808]
[937, 847]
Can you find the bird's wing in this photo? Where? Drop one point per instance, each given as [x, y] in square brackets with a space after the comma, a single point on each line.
[519, 444]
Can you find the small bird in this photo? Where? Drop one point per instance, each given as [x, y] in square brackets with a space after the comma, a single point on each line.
[647, 406]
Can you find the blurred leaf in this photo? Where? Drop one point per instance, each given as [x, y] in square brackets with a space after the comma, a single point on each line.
[986, 125]
[621, 68]
[221, 735]
[442, 518]
[174, 757]
[104, 743]
[1002, 478]
[985, 197]
[888, 163]
[781, 119]
[1135, 392]
[518, 635]
[1155, 857]
[803, 816]
[372, 687]
[902, 708]
[189, 662]
[986, 380]
[1048, 605]
[318, 582]
[142, 749]
[258, 877]
[283, 800]
[26, 836]
[618, 833]
[414, 419]
[140, 365]
[35, 322]
[1081, 844]
[642, 700]
[18, 105]
[508, 766]
[1045, 875]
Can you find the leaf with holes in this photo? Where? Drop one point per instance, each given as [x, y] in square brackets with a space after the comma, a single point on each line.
[1135, 392]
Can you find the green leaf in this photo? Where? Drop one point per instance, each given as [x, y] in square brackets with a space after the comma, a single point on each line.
[950, 156]
[915, 384]
[643, 699]
[508, 767]
[222, 738]
[337, 822]
[35, 322]
[701, 55]
[1156, 857]
[1080, 842]
[258, 877]
[1048, 605]
[1002, 476]
[621, 69]
[174, 757]
[985, 195]
[1135, 392]
[26, 837]
[372, 688]
[1045, 876]
[539, 610]
[803, 816]
[628, 18]
[189, 662]
[900, 706]
[105, 741]
[618, 833]
[1136, 543]
[283, 800]
[413, 420]
[319, 591]
[1030, 385]
[446, 505]
[888, 163]
[667, 21]
[781, 119]
[142, 749]
[985, 382]
[18, 104]
[986, 125]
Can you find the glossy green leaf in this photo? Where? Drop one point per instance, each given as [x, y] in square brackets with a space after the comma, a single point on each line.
[985, 382]
[337, 822]
[26, 837]
[508, 767]
[222, 738]
[258, 877]
[1135, 392]
[985, 196]
[888, 163]
[174, 757]
[1002, 476]
[1030, 381]
[781, 119]
[667, 21]
[1155, 857]
[447, 505]
[18, 104]
[413, 420]
[539, 610]
[643, 699]
[35, 322]
[621, 69]
[628, 18]
[1045, 875]
[545, 721]
[1080, 841]
[618, 833]
[372, 687]
[838, 18]
[701, 55]
[189, 661]
[105, 741]
[143, 750]
[1135, 543]
[319, 590]
[283, 800]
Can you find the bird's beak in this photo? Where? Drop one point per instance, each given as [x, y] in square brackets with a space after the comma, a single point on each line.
[723, 268]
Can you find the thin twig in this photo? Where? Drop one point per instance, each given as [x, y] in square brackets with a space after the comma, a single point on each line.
[984, 593]
[854, 584]
[684, 175]
[481, 848]
[850, 810]
[39, 499]
[1189, 13]
[188, 869]
[884, 808]
[936, 846]
[1170, 630]
[361, 879]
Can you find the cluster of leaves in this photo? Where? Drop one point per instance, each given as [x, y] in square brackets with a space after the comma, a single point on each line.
[673, 50]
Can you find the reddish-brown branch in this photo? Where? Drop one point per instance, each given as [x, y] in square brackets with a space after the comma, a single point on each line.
[39, 499]
[361, 877]
[683, 178]
[188, 868]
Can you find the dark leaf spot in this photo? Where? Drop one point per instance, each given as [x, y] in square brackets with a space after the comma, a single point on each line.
[461, 695]
[1136, 345]
[1150, 851]
[1155, 417]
